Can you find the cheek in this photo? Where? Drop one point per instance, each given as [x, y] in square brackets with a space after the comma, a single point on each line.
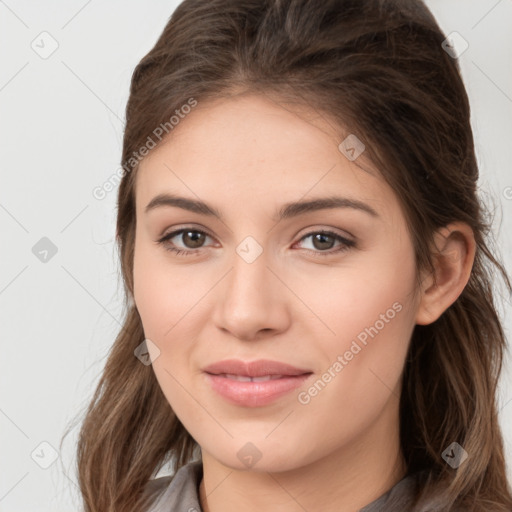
[163, 294]
[367, 295]
[371, 312]
[165, 299]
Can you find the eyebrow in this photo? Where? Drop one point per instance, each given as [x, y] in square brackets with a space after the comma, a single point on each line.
[287, 211]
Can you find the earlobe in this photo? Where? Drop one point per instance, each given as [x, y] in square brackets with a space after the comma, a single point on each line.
[453, 255]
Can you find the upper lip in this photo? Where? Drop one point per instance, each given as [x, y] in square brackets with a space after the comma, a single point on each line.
[258, 368]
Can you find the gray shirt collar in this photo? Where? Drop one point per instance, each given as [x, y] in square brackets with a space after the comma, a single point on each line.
[180, 493]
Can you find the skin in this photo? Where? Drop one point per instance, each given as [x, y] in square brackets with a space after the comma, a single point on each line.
[247, 156]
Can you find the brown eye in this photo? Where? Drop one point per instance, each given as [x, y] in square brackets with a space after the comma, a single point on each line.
[323, 241]
[193, 239]
[186, 241]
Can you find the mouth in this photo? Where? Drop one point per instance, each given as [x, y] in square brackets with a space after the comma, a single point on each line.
[254, 384]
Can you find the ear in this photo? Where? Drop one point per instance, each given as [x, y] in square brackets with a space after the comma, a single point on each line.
[453, 255]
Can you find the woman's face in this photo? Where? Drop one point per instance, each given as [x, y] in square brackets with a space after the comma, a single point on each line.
[258, 285]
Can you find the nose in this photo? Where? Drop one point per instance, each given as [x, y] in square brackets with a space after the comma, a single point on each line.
[251, 302]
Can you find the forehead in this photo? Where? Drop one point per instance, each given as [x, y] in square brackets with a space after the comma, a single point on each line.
[249, 150]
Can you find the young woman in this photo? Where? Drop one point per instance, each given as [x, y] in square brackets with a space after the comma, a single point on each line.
[310, 322]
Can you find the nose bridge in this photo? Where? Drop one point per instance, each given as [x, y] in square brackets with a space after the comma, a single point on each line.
[249, 280]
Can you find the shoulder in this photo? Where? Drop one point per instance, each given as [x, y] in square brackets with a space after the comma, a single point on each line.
[157, 486]
[178, 491]
[404, 497]
[399, 497]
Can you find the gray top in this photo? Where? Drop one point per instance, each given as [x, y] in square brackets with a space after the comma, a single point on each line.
[180, 493]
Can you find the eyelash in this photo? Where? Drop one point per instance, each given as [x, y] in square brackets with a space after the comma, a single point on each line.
[346, 243]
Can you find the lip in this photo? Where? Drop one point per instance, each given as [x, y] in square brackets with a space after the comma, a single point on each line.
[258, 368]
[285, 379]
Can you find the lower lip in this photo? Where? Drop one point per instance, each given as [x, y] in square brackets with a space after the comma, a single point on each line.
[254, 394]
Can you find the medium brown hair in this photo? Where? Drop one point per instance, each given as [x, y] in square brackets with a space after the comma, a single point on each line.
[376, 67]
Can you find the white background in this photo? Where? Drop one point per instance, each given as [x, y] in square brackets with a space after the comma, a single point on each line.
[61, 122]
